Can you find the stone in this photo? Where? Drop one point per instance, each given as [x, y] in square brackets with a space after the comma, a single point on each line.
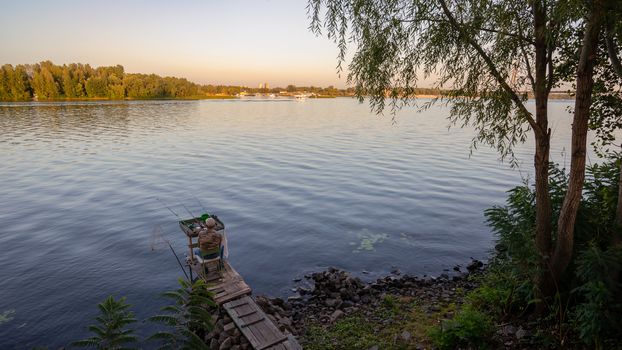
[294, 298]
[336, 315]
[286, 321]
[331, 302]
[405, 336]
[213, 345]
[229, 327]
[509, 330]
[474, 265]
[520, 333]
[227, 344]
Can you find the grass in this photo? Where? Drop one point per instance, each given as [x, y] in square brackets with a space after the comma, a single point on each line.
[382, 328]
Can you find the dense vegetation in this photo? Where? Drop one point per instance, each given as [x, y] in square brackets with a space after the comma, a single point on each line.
[47, 81]
[560, 240]
[587, 307]
[187, 321]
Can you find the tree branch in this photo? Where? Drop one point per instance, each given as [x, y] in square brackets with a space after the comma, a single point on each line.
[483, 29]
[493, 69]
[612, 52]
[526, 58]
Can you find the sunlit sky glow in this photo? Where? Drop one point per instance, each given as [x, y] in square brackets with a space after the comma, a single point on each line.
[210, 42]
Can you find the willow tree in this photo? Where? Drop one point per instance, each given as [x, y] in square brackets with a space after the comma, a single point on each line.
[489, 55]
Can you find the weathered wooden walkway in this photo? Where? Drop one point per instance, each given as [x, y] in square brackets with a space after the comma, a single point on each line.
[232, 293]
[257, 327]
[227, 286]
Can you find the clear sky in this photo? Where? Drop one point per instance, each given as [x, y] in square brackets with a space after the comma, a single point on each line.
[224, 42]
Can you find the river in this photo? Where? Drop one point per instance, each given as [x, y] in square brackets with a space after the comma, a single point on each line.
[300, 186]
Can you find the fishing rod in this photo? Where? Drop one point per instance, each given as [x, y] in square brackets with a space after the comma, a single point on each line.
[178, 261]
[188, 210]
[169, 209]
[201, 204]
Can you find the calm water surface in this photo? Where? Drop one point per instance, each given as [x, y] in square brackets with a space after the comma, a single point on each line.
[300, 186]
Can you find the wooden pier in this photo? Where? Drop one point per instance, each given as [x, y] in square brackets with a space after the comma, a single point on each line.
[233, 294]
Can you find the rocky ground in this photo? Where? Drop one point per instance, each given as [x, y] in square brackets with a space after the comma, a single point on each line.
[394, 311]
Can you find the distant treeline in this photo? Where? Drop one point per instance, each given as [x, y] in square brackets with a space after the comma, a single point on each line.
[47, 81]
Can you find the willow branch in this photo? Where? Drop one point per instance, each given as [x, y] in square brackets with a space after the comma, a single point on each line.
[483, 29]
[493, 69]
[612, 51]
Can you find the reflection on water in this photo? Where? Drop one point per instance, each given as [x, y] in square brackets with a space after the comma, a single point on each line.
[301, 186]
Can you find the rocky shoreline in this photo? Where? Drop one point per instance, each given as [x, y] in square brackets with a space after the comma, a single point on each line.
[335, 294]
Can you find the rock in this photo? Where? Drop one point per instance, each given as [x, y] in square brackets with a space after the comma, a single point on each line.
[508, 330]
[457, 268]
[474, 265]
[297, 279]
[294, 298]
[286, 321]
[335, 316]
[227, 344]
[405, 336]
[521, 333]
[236, 347]
[331, 302]
[213, 345]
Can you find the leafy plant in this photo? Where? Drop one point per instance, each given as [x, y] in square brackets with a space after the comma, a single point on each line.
[470, 327]
[598, 316]
[188, 317]
[111, 332]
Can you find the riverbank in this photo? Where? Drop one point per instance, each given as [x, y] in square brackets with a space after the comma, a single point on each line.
[394, 312]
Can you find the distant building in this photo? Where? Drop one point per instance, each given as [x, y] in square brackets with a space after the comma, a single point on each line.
[266, 85]
[260, 85]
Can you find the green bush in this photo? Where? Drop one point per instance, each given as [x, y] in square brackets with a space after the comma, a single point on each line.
[587, 292]
[597, 315]
[470, 327]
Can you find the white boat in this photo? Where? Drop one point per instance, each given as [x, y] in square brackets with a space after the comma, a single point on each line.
[300, 97]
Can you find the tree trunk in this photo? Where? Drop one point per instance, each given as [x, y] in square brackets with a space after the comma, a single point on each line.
[542, 145]
[568, 214]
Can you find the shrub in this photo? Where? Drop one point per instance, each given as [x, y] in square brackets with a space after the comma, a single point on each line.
[470, 327]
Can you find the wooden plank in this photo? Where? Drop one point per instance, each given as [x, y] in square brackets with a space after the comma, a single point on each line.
[236, 303]
[234, 316]
[253, 321]
[246, 314]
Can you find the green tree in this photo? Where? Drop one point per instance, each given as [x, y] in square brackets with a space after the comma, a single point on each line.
[487, 52]
[111, 332]
[44, 85]
[96, 87]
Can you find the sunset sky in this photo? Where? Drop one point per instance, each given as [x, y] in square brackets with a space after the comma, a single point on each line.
[210, 42]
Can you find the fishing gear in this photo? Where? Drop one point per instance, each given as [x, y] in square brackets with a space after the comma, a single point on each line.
[169, 209]
[179, 262]
[201, 204]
